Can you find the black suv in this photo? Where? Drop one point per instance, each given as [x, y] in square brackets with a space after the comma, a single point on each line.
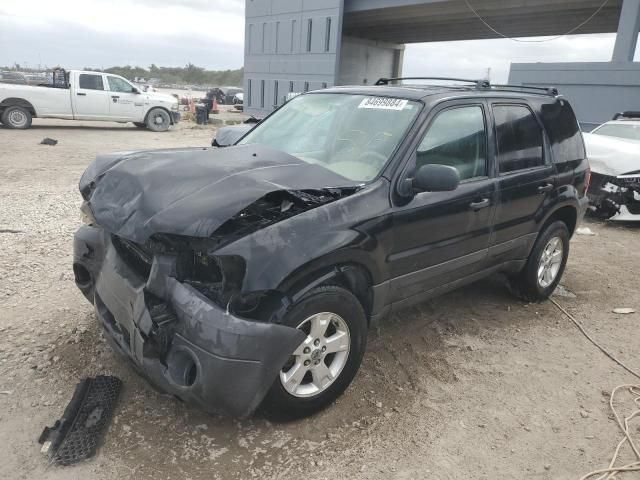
[249, 275]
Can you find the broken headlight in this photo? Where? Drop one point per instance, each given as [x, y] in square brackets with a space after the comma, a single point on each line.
[86, 214]
[218, 277]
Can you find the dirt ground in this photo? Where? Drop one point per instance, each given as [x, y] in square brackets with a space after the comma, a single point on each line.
[474, 384]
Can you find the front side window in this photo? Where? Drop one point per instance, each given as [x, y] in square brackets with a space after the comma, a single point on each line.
[457, 138]
[351, 135]
[119, 85]
[91, 82]
[518, 138]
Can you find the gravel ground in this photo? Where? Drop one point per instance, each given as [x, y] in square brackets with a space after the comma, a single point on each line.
[474, 384]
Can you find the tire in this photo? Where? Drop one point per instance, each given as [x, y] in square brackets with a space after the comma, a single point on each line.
[158, 120]
[529, 284]
[339, 309]
[140, 124]
[16, 117]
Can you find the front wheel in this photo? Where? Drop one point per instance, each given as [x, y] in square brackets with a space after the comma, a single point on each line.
[17, 117]
[140, 124]
[158, 120]
[326, 362]
[545, 265]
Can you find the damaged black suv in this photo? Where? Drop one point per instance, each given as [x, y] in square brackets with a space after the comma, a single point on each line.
[249, 275]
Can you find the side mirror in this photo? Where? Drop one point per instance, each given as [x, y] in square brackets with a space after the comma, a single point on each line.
[135, 90]
[435, 178]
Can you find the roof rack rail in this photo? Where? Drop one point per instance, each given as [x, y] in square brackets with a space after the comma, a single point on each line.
[478, 83]
[482, 84]
[553, 91]
[627, 114]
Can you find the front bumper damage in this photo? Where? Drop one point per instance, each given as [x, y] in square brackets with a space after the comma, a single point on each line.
[615, 197]
[176, 337]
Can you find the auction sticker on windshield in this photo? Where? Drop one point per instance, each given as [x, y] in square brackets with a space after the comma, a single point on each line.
[383, 103]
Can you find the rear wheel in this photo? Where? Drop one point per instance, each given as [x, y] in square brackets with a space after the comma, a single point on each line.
[325, 363]
[17, 117]
[140, 124]
[158, 120]
[545, 266]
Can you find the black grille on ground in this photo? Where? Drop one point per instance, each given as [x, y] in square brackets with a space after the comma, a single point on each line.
[77, 434]
[135, 255]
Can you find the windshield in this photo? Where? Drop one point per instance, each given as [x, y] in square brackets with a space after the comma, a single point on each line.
[351, 135]
[629, 131]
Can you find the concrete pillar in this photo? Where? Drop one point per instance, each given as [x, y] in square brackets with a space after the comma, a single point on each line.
[628, 28]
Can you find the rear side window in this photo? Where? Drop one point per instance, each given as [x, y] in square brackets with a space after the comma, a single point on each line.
[518, 138]
[563, 131]
[91, 82]
[456, 138]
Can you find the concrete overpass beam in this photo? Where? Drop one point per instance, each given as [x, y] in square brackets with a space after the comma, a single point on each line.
[628, 29]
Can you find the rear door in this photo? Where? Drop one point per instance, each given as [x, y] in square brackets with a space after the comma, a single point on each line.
[440, 237]
[126, 103]
[526, 179]
[90, 99]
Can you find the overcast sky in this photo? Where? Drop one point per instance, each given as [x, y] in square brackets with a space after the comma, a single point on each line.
[210, 33]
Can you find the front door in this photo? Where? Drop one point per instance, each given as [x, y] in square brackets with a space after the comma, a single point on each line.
[440, 237]
[125, 103]
[526, 180]
[91, 100]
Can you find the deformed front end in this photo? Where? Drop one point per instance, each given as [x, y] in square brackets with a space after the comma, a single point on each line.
[180, 339]
[149, 259]
[614, 191]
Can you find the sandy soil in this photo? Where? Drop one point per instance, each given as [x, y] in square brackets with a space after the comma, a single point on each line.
[475, 384]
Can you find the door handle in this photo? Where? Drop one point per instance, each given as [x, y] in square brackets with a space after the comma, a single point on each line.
[475, 206]
[547, 187]
[115, 96]
[81, 94]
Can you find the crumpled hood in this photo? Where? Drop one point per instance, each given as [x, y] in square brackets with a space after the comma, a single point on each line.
[190, 191]
[610, 155]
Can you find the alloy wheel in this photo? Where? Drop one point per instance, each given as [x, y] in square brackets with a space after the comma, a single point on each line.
[320, 358]
[550, 262]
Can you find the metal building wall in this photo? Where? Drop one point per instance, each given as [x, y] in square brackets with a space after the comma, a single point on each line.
[596, 90]
[290, 46]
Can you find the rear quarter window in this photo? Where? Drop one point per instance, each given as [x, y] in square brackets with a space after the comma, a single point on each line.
[563, 131]
[91, 82]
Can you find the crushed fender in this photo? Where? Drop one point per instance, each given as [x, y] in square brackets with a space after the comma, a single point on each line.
[76, 435]
[275, 207]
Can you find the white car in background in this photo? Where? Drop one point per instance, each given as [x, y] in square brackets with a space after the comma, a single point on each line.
[613, 150]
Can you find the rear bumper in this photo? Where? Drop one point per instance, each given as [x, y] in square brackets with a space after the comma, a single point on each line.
[177, 338]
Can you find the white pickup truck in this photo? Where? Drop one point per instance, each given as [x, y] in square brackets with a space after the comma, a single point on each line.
[83, 95]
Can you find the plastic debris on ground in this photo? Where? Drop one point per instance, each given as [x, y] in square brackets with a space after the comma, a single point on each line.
[624, 310]
[76, 435]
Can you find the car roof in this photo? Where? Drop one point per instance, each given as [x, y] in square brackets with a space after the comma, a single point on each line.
[618, 121]
[424, 92]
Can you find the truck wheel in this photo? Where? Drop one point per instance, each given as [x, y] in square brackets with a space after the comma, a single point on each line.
[543, 270]
[324, 365]
[16, 117]
[140, 124]
[158, 120]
